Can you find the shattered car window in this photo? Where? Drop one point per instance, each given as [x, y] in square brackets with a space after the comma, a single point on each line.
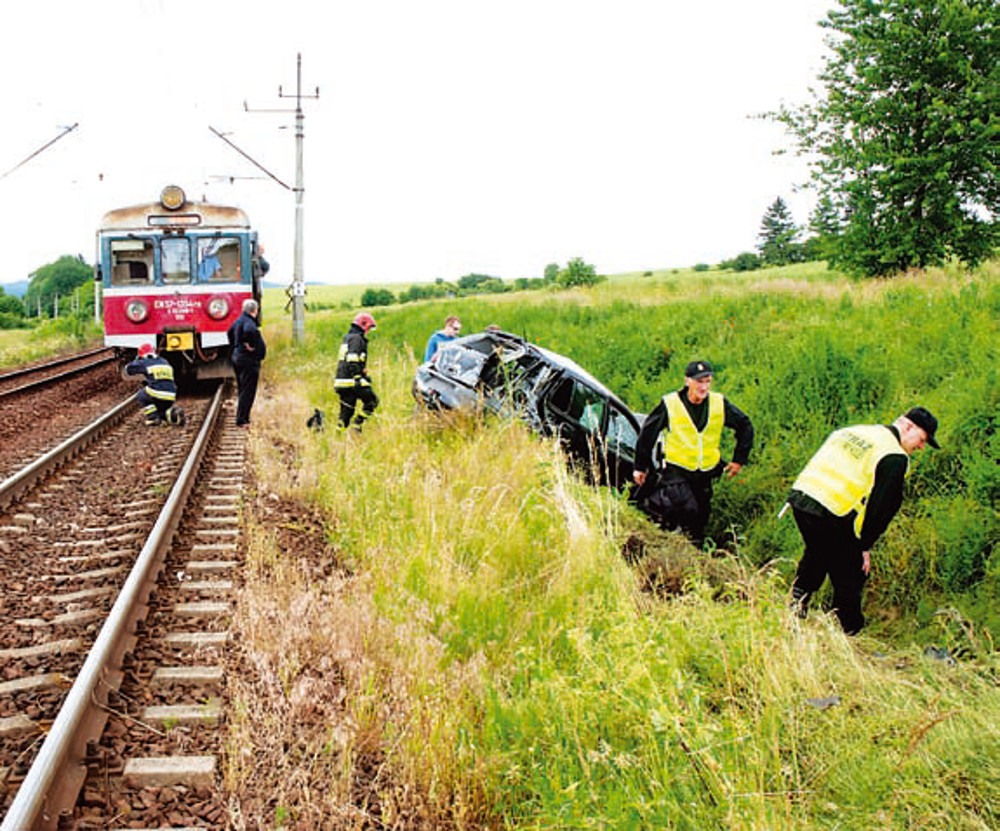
[464, 364]
[622, 436]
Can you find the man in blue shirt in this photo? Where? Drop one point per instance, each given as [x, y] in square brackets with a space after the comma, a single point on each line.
[452, 328]
[210, 268]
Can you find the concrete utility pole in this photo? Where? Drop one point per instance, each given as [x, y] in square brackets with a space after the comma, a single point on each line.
[298, 279]
[298, 287]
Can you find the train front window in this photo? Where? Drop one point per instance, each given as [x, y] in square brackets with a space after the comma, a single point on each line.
[131, 262]
[219, 260]
[175, 260]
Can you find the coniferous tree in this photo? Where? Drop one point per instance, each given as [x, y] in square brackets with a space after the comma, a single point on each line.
[778, 235]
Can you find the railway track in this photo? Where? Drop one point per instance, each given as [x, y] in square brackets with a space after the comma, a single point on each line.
[37, 413]
[28, 378]
[118, 568]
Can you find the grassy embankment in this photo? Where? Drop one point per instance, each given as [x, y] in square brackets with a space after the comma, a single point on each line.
[21, 346]
[493, 661]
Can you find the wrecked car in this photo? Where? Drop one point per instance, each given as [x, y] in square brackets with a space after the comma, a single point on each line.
[500, 373]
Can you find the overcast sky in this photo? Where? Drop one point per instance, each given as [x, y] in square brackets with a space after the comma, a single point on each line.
[450, 136]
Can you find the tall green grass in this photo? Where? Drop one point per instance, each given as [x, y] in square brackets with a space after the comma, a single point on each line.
[510, 669]
[19, 346]
[802, 351]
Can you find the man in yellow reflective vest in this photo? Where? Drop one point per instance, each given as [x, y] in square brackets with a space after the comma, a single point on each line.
[844, 499]
[691, 421]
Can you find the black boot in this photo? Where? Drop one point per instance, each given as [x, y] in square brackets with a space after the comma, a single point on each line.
[800, 602]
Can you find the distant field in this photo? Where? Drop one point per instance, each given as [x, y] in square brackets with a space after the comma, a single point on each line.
[328, 296]
[638, 286]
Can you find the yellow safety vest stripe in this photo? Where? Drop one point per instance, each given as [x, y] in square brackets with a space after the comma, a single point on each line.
[161, 372]
[683, 445]
[163, 395]
[344, 355]
[841, 474]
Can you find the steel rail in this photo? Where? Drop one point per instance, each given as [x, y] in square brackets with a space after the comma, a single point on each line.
[12, 487]
[53, 781]
[27, 370]
[62, 376]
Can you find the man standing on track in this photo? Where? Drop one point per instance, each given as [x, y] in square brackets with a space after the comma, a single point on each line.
[352, 383]
[691, 420]
[249, 350]
[844, 499]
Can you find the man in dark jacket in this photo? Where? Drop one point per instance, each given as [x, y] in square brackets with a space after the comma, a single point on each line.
[352, 383]
[159, 390]
[249, 350]
[690, 420]
[844, 499]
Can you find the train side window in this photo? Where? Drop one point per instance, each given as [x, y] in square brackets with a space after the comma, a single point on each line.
[131, 262]
[175, 260]
[219, 260]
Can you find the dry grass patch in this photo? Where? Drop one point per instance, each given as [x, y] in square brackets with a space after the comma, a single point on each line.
[326, 692]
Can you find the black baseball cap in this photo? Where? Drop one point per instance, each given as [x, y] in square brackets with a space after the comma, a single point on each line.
[698, 369]
[927, 422]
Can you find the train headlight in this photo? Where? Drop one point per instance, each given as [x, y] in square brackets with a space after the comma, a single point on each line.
[172, 197]
[218, 308]
[136, 311]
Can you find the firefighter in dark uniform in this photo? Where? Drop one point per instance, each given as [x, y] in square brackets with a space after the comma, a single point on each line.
[691, 421]
[159, 391]
[844, 499]
[352, 383]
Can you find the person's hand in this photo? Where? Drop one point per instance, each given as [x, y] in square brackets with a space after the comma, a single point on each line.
[866, 562]
[732, 469]
[639, 476]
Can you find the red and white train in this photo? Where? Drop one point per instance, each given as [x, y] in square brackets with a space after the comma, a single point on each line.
[176, 273]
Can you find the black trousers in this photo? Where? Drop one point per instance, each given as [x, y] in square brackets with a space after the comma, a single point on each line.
[679, 501]
[831, 549]
[694, 526]
[147, 402]
[349, 399]
[247, 375]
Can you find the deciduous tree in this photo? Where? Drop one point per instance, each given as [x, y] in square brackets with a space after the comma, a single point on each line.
[59, 279]
[905, 133]
[578, 273]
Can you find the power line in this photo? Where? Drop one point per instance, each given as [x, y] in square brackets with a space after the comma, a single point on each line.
[248, 157]
[40, 149]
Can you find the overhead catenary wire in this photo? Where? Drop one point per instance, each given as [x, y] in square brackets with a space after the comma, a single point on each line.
[48, 144]
[249, 158]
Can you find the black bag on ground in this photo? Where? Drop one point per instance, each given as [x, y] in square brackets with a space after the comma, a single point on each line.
[317, 420]
[670, 502]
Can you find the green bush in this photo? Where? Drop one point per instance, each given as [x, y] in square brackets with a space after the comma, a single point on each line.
[377, 297]
[13, 321]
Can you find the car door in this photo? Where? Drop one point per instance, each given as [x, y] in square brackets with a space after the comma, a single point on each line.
[577, 413]
[620, 439]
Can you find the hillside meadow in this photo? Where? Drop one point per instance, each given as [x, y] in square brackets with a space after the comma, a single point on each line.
[474, 638]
